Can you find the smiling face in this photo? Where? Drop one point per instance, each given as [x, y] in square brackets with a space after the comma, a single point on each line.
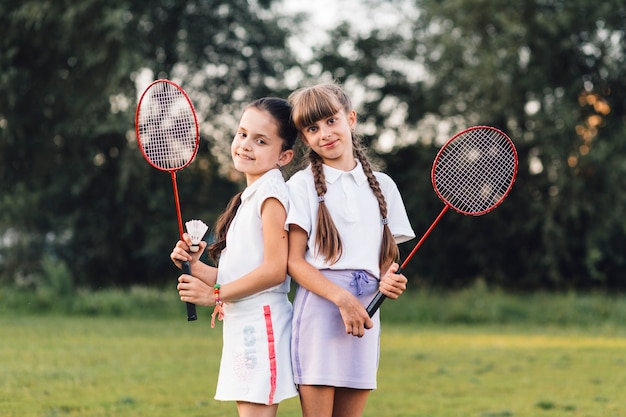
[331, 139]
[257, 145]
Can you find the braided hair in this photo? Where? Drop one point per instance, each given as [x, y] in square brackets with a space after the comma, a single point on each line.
[309, 105]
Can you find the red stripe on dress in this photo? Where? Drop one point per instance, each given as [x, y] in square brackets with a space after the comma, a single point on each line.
[271, 352]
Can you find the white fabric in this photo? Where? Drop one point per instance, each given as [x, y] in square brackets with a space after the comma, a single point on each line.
[256, 362]
[354, 210]
[244, 240]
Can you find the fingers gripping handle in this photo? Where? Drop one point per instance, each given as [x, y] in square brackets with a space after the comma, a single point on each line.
[191, 308]
[378, 299]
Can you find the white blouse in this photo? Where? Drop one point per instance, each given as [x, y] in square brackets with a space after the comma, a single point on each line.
[355, 212]
[244, 241]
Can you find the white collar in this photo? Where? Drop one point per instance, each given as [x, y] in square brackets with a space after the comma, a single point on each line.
[357, 174]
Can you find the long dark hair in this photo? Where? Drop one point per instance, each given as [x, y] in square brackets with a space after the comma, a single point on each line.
[280, 110]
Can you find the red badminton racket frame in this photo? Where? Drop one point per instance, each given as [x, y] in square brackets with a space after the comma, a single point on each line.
[472, 174]
[167, 131]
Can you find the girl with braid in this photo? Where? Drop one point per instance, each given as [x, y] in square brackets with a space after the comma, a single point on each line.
[250, 286]
[345, 221]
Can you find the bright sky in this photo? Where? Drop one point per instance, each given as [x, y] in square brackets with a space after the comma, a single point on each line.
[325, 14]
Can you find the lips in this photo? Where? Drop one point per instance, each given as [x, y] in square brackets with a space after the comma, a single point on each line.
[330, 144]
[246, 157]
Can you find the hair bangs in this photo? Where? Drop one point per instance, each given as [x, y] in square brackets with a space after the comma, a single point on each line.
[313, 104]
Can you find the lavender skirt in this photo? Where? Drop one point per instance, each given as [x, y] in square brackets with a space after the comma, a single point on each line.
[321, 351]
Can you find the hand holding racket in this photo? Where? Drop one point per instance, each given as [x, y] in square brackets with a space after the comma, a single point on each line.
[168, 135]
[472, 174]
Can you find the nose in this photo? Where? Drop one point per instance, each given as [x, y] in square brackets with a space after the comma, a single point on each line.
[324, 131]
[245, 144]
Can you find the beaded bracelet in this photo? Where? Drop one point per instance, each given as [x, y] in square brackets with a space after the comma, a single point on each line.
[218, 310]
[216, 293]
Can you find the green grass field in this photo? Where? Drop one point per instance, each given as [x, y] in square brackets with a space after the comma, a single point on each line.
[53, 366]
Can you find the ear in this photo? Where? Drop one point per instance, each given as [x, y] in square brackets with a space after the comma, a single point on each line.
[352, 120]
[285, 157]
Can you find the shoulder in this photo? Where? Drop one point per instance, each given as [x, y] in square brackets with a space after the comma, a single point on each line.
[385, 181]
[381, 176]
[300, 176]
[274, 187]
[301, 180]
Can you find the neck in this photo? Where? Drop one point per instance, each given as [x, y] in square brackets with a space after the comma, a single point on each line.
[342, 164]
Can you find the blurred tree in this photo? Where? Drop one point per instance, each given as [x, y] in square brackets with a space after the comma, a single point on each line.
[75, 191]
[548, 72]
[74, 186]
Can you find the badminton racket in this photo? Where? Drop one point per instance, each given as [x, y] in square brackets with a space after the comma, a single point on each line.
[168, 135]
[472, 174]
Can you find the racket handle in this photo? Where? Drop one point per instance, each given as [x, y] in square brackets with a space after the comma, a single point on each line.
[378, 299]
[375, 303]
[191, 308]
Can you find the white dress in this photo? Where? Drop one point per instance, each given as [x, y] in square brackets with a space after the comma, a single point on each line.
[256, 364]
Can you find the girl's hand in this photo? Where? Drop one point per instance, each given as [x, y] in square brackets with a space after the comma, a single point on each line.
[392, 285]
[192, 290]
[354, 315]
[181, 251]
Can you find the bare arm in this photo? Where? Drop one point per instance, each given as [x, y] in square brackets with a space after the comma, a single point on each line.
[355, 317]
[273, 270]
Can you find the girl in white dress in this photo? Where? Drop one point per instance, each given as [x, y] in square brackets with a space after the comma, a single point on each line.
[345, 221]
[250, 286]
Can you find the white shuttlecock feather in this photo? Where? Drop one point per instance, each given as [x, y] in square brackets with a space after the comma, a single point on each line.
[196, 230]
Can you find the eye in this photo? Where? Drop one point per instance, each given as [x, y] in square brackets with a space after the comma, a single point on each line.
[311, 129]
[261, 141]
[242, 134]
[331, 120]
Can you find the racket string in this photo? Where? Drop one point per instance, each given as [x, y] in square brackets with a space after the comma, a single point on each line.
[475, 191]
[167, 127]
[474, 194]
[475, 171]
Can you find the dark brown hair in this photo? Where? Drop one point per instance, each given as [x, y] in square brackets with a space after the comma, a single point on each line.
[280, 111]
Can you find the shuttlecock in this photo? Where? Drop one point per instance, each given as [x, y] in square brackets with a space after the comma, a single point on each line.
[196, 230]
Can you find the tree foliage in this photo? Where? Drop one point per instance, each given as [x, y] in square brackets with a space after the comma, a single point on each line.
[76, 194]
[548, 72]
[75, 188]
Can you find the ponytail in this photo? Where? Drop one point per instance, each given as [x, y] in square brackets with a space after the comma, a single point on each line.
[280, 111]
[221, 227]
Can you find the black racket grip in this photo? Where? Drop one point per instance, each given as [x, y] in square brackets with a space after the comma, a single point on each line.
[378, 299]
[191, 308]
[375, 303]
